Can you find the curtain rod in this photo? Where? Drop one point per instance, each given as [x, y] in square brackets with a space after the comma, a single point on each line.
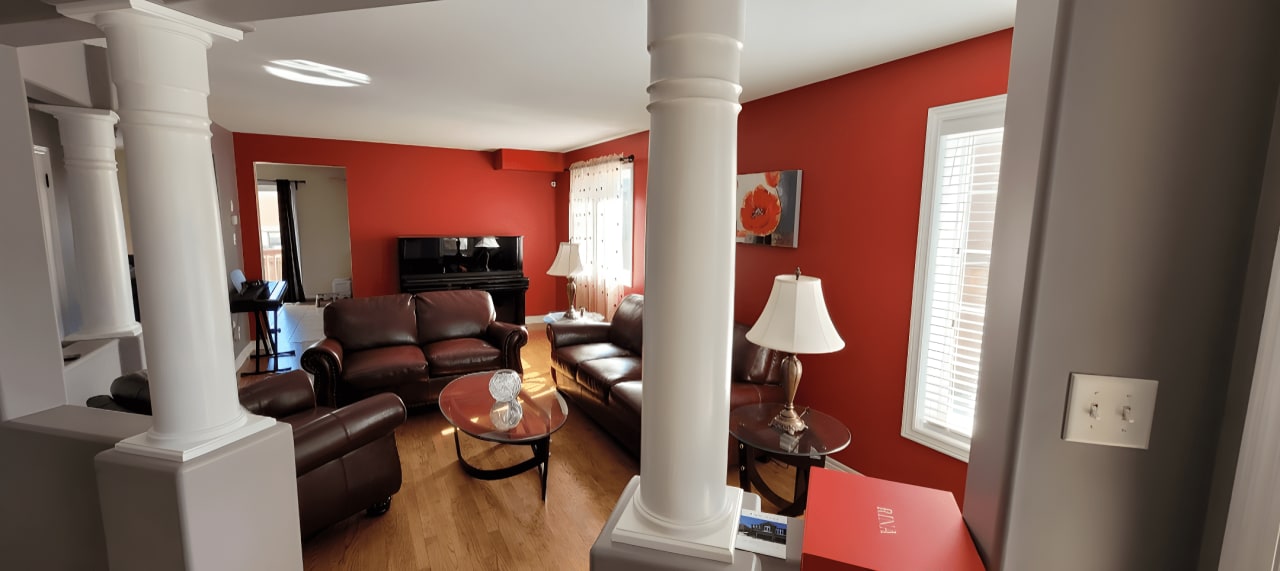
[626, 159]
[273, 181]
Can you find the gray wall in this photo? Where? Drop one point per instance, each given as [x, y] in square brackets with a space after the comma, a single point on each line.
[1136, 139]
[1261, 254]
[224, 162]
[44, 132]
[30, 359]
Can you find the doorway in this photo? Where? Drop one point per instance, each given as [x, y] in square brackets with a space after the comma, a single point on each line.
[322, 231]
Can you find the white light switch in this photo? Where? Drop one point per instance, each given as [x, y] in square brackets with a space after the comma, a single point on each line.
[1112, 411]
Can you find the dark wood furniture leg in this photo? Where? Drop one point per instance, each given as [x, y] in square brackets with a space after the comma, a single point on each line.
[749, 476]
[541, 460]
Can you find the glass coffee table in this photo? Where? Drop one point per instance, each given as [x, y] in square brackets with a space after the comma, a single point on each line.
[750, 426]
[528, 419]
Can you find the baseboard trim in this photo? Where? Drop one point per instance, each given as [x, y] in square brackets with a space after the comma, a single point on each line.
[834, 464]
[243, 357]
[534, 320]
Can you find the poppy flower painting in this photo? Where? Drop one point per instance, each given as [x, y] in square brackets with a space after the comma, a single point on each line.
[769, 208]
[760, 211]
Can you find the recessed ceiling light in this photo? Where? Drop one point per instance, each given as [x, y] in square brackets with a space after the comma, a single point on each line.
[305, 71]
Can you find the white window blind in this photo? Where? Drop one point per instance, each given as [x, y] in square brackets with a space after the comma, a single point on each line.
[958, 206]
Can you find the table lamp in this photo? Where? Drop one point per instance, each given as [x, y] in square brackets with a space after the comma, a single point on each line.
[489, 243]
[568, 263]
[794, 321]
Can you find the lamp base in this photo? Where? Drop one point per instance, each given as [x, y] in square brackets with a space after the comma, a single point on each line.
[788, 421]
[571, 288]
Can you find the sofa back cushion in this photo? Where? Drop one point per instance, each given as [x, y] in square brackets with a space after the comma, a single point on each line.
[368, 322]
[627, 328]
[452, 314]
[752, 363]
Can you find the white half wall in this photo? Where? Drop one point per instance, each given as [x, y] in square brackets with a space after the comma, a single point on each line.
[30, 355]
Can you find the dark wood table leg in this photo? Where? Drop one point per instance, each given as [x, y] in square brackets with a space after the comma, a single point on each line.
[541, 459]
[800, 495]
[744, 463]
[542, 449]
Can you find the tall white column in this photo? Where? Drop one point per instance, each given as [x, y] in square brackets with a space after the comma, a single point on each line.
[97, 221]
[158, 62]
[683, 504]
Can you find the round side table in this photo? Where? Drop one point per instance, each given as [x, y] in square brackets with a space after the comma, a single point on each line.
[750, 427]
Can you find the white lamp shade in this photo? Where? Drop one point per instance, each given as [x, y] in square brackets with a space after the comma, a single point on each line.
[795, 318]
[487, 242]
[568, 261]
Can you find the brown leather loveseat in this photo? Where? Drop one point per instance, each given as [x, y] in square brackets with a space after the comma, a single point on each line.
[598, 366]
[346, 459]
[410, 345]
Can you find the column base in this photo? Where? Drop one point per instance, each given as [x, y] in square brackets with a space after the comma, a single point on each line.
[182, 450]
[714, 542]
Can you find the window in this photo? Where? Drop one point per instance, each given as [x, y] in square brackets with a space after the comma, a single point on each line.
[600, 221]
[953, 254]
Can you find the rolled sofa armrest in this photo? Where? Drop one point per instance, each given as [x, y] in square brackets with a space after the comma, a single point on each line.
[280, 395]
[565, 333]
[340, 431]
[509, 337]
[324, 361]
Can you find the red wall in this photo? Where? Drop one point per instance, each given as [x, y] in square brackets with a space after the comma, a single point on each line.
[395, 190]
[859, 139]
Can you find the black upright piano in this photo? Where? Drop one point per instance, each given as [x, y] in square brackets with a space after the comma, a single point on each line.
[491, 263]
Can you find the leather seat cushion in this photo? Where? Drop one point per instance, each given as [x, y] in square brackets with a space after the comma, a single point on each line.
[465, 355]
[628, 397]
[598, 376]
[571, 357]
[384, 366]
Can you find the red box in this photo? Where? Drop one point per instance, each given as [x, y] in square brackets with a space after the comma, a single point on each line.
[857, 522]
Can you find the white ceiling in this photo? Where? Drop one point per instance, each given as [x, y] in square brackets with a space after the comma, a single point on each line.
[552, 75]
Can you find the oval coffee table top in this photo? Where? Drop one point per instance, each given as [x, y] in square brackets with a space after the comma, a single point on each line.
[468, 406]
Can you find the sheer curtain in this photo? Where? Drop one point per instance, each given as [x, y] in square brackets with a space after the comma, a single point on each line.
[599, 204]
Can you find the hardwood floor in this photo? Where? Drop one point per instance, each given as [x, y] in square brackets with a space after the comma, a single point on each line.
[444, 519]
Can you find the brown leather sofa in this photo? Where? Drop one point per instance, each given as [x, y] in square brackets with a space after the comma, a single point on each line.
[598, 367]
[410, 345]
[346, 458]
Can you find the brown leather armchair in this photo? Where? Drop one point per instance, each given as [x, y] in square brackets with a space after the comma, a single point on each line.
[410, 345]
[346, 458]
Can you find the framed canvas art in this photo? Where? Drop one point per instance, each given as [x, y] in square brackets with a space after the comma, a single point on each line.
[768, 208]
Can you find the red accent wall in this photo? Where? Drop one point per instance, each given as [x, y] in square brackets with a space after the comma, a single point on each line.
[522, 160]
[395, 190]
[859, 140]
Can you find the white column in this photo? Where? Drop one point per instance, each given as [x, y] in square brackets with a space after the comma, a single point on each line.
[97, 221]
[158, 62]
[683, 504]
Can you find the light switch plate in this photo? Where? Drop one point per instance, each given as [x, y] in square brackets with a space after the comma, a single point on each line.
[1111, 411]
